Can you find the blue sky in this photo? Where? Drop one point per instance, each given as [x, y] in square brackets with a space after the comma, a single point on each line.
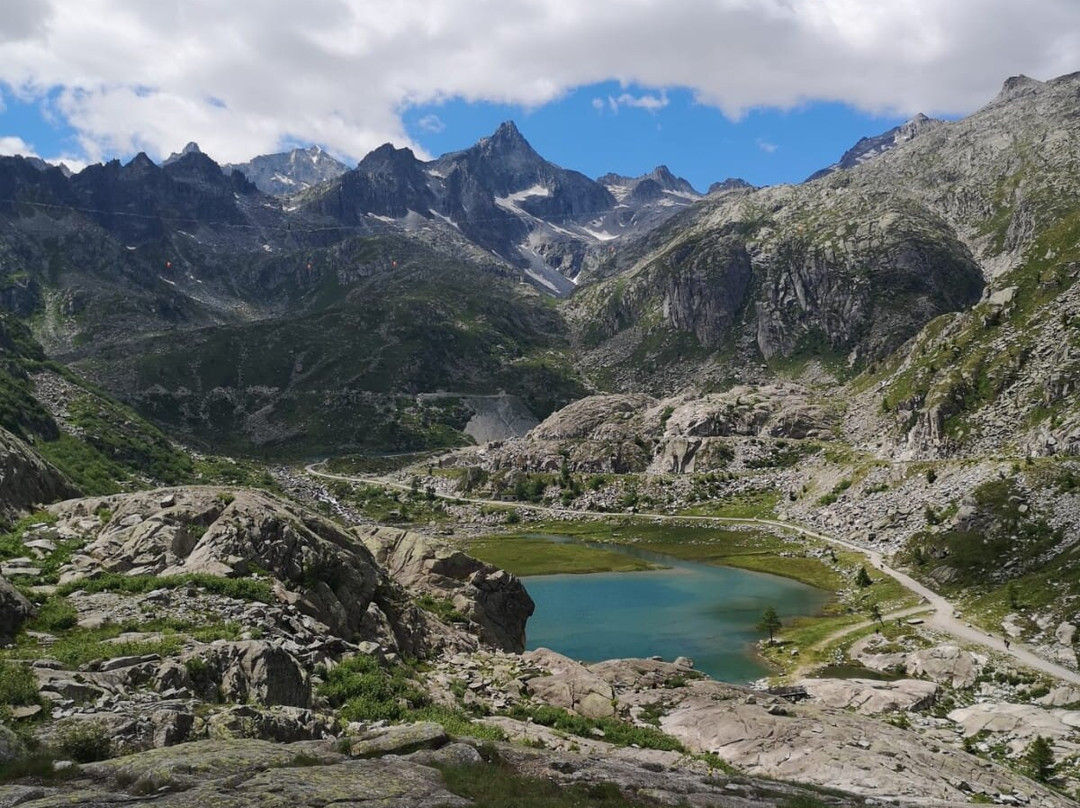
[769, 90]
[588, 129]
[698, 142]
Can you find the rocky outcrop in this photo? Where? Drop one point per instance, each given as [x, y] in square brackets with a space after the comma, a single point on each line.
[493, 600]
[27, 481]
[313, 564]
[678, 435]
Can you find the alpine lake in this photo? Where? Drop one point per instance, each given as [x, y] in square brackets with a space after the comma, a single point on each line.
[683, 608]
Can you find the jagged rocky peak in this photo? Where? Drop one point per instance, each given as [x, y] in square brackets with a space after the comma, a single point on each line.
[730, 184]
[507, 138]
[1016, 86]
[660, 177]
[290, 172]
[191, 148]
[868, 148]
[388, 158]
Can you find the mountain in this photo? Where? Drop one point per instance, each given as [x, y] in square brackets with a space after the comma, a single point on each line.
[870, 147]
[290, 172]
[943, 270]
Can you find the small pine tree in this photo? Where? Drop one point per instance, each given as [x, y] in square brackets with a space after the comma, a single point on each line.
[770, 622]
[875, 613]
[862, 578]
[1040, 759]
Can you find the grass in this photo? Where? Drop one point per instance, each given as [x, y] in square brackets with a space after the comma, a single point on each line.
[750, 505]
[614, 731]
[249, 589]
[747, 549]
[76, 646]
[524, 555]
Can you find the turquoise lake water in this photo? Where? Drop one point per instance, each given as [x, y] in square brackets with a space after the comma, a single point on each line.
[695, 610]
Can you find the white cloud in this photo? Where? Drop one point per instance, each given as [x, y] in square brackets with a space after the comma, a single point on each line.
[249, 76]
[431, 123]
[649, 103]
[10, 144]
[766, 146]
[598, 104]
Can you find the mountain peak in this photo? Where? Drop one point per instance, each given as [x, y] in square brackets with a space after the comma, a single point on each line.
[507, 138]
[191, 148]
[1016, 86]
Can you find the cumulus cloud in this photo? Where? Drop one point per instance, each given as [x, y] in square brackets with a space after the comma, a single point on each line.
[647, 102]
[431, 123]
[10, 144]
[766, 146]
[250, 76]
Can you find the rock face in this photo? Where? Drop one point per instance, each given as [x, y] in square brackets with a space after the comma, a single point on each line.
[683, 434]
[494, 600]
[313, 564]
[290, 172]
[25, 479]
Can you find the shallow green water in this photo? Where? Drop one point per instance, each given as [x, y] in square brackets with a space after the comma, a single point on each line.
[695, 610]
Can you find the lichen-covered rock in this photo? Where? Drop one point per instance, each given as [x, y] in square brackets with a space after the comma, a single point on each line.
[492, 599]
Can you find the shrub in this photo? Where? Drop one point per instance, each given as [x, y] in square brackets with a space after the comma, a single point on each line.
[365, 690]
[18, 685]
[84, 741]
[56, 614]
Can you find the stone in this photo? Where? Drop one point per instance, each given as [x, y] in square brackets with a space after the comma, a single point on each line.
[870, 696]
[15, 610]
[946, 664]
[1066, 634]
[399, 740]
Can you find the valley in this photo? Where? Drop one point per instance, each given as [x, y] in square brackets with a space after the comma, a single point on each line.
[432, 471]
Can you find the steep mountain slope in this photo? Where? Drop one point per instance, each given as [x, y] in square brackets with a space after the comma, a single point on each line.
[845, 269]
[48, 412]
[870, 147]
[395, 341]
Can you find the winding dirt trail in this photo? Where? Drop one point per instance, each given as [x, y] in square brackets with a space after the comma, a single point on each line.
[944, 615]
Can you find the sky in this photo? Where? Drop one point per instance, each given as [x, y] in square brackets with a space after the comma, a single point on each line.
[767, 90]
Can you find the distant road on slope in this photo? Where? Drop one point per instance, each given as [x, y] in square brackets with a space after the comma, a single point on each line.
[944, 617]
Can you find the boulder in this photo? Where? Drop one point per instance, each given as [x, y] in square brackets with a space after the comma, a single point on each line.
[571, 686]
[250, 670]
[400, 740]
[492, 599]
[870, 696]
[28, 481]
[15, 610]
[945, 664]
[1066, 634]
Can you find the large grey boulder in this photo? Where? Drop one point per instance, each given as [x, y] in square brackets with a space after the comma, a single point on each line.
[15, 610]
[872, 697]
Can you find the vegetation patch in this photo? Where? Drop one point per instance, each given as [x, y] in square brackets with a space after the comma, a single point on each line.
[530, 555]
